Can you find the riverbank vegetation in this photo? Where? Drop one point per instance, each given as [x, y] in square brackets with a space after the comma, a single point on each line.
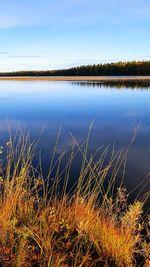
[131, 68]
[43, 225]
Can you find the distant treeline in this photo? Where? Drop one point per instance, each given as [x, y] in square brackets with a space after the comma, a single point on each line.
[135, 68]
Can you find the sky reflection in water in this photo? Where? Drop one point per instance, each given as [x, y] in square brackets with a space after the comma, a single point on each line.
[73, 106]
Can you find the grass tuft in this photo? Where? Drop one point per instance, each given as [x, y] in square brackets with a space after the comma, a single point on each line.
[88, 227]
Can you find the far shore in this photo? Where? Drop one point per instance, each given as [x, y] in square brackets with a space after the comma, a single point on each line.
[77, 78]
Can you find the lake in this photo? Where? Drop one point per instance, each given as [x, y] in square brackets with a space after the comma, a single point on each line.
[43, 107]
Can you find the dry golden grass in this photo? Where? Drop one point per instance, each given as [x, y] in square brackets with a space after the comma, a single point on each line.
[76, 78]
[90, 227]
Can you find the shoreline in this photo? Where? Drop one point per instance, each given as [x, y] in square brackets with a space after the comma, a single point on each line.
[78, 78]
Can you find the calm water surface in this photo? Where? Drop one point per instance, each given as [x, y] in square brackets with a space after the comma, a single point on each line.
[73, 106]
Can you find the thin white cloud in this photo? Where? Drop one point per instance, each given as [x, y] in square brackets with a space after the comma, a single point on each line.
[3, 52]
[25, 56]
[65, 26]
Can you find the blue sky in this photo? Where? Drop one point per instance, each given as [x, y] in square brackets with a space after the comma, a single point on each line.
[51, 34]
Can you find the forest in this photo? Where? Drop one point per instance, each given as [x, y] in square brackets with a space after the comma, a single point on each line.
[131, 68]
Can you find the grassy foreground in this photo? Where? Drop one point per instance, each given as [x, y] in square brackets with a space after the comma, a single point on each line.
[90, 227]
